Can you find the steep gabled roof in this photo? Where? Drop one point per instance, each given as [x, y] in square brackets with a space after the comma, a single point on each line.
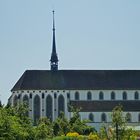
[78, 79]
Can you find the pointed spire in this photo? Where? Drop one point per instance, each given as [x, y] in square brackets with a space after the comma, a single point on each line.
[54, 58]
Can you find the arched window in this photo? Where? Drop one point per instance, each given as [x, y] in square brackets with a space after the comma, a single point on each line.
[76, 95]
[103, 117]
[128, 117]
[49, 107]
[61, 104]
[91, 117]
[15, 100]
[136, 95]
[26, 101]
[124, 95]
[112, 95]
[36, 105]
[101, 95]
[139, 117]
[89, 96]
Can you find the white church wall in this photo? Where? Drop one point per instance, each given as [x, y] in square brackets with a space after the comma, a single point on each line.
[82, 96]
[97, 116]
[107, 94]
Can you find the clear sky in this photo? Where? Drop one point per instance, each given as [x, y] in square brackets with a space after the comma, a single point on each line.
[90, 34]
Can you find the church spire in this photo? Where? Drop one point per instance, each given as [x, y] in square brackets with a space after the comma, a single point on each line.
[54, 58]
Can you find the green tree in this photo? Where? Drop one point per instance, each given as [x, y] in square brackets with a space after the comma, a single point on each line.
[61, 125]
[44, 129]
[118, 129]
[78, 125]
[13, 126]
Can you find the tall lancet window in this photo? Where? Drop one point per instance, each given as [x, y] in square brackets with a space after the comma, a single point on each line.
[49, 107]
[26, 101]
[61, 104]
[15, 100]
[36, 108]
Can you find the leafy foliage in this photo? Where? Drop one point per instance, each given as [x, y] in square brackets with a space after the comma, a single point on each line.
[15, 125]
[44, 129]
[61, 125]
[118, 129]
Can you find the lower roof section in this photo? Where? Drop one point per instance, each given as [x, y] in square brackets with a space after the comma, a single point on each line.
[78, 80]
[106, 106]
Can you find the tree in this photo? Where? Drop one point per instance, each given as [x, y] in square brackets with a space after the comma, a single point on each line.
[78, 125]
[118, 129]
[61, 125]
[1, 104]
[13, 125]
[44, 129]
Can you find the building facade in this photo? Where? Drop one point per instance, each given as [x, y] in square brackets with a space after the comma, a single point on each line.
[96, 92]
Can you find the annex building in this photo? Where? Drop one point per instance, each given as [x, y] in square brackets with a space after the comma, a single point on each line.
[96, 92]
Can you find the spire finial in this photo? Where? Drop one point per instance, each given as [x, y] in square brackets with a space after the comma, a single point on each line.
[53, 21]
[54, 58]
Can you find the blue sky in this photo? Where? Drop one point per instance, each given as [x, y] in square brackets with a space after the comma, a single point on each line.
[90, 34]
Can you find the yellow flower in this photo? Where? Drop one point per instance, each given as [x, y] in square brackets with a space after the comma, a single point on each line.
[72, 134]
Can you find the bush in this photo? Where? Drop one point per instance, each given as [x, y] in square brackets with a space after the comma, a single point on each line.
[93, 137]
[63, 138]
[72, 134]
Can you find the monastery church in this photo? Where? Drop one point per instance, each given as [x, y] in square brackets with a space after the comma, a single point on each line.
[96, 92]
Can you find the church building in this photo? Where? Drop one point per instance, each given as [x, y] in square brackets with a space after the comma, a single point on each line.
[96, 92]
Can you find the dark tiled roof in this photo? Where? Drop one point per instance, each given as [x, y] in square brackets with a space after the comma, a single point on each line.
[78, 79]
[106, 106]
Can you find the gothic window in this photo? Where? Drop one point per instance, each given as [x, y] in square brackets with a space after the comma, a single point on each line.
[36, 105]
[89, 96]
[61, 104]
[128, 117]
[26, 101]
[91, 117]
[124, 96]
[101, 95]
[49, 107]
[15, 100]
[103, 117]
[112, 95]
[77, 96]
[136, 95]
